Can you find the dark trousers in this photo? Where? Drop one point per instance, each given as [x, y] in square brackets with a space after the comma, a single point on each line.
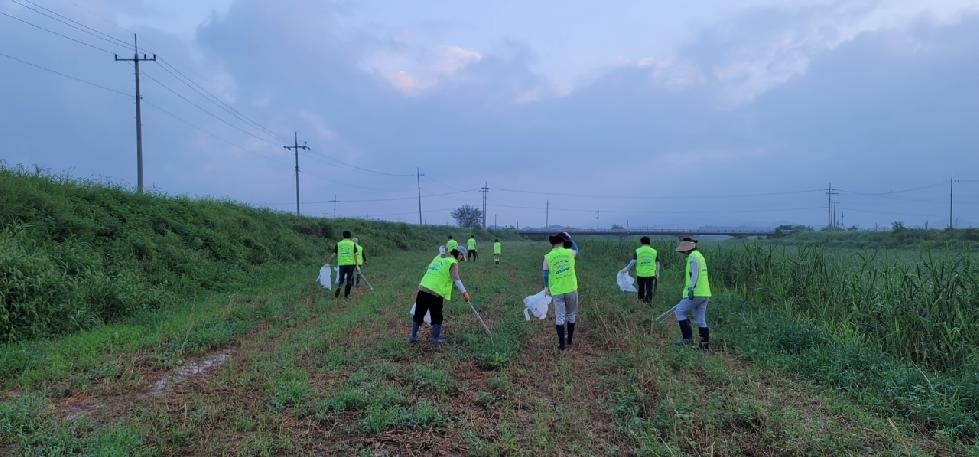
[346, 279]
[471, 255]
[646, 288]
[424, 302]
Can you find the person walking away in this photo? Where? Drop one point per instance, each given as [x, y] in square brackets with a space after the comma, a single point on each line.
[434, 289]
[361, 261]
[345, 252]
[696, 294]
[561, 283]
[451, 244]
[497, 251]
[471, 247]
[647, 267]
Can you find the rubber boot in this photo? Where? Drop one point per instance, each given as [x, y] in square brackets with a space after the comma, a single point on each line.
[570, 333]
[414, 333]
[437, 334]
[560, 336]
[336, 293]
[686, 333]
[704, 338]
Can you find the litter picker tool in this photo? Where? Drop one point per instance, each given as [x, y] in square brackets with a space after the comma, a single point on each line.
[485, 327]
[361, 273]
[666, 313]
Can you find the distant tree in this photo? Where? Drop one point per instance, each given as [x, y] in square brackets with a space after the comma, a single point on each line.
[787, 229]
[467, 216]
[897, 226]
[617, 227]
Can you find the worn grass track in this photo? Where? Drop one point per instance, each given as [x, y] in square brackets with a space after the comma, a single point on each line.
[301, 373]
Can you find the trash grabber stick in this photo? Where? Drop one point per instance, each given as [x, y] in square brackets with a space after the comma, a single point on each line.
[485, 327]
[361, 273]
[663, 316]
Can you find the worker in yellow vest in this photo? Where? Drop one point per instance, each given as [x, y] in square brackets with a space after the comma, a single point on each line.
[497, 251]
[361, 261]
[561, 283]
[471, 248]
[345, 252]
[451, 244]
[647, 268]
[696, 294]
[434, 289]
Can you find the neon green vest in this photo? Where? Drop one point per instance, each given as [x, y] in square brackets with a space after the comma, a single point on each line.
[471, 244]
[345, 252]
[703, 284]
[360, 254]
[451, 245]
[497, 248]
[561, 277]
[438, 278]
[645, 261]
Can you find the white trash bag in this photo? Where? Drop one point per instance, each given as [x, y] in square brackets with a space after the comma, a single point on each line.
[324, 277]
[428, 314]
[537, 305]
[626, 282]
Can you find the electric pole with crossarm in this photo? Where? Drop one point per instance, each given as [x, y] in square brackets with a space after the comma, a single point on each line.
[139, 120]
[296, 147]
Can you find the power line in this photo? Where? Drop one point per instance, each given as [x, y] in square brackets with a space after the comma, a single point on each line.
[662, 197]
[177, 74]
[83, 43]
[204, 110]
[64, 75]
[72, 23]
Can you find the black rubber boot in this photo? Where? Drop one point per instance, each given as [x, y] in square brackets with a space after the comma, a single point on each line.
[686, 333]
[414, 333]
[570, 333]
[704, 338]
[560, 336]
[437, 334]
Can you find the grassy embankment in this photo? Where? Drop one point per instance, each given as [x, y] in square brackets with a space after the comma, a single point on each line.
[283, 368]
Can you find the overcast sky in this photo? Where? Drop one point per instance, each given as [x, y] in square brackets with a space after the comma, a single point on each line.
[631, 113]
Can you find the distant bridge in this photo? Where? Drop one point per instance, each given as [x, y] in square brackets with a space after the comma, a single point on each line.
[650, 231]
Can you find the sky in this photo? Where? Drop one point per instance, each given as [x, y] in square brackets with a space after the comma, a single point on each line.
[713, 113]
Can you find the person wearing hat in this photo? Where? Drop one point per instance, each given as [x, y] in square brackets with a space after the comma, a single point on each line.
[561, 283]
[434, 289]
[345, 252]
[696, 294]
[471, 248]
[569, 242]
[497, 251]
[646, 268]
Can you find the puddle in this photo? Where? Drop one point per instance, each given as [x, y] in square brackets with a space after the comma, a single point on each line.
[189, 370]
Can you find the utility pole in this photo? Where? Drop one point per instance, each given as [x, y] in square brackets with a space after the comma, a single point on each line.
[950, 181]
[139, 119]
[484, 190]
[829, 206]
[547, 214]
[418, 176]
[295, 148]
[334, 201]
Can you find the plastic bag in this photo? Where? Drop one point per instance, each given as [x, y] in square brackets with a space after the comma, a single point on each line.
[537, 305]
[336, 270]
[427, 318]
[626, 282]
[324, 277]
